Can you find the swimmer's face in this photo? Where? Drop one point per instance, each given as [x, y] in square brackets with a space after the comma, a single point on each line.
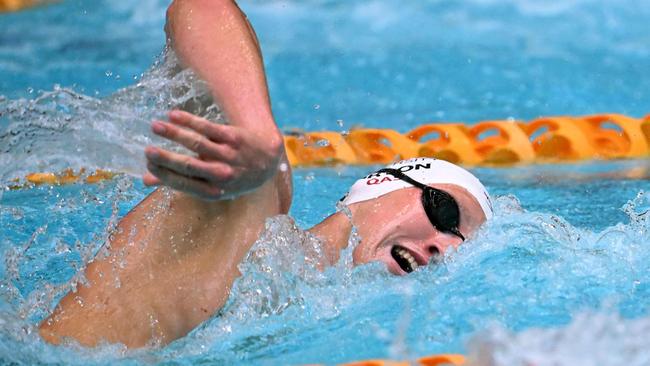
[395, 229]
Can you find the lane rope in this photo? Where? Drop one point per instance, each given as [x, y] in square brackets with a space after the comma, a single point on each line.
[489, 143]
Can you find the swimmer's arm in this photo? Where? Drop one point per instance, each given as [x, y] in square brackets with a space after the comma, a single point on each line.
[173, 258]
[214, 38]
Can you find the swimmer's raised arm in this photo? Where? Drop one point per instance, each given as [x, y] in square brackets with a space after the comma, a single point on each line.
[213, 38]
[171, 262]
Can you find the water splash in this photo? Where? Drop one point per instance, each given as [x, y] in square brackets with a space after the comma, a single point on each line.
[62, 128]
[591, 339]
[524, 270]
[283, 256]
[595, 282]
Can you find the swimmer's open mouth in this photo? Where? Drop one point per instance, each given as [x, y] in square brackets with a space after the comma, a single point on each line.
[404, 258]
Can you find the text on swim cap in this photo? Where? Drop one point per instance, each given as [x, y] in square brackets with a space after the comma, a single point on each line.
[374, 181]
[403, 169]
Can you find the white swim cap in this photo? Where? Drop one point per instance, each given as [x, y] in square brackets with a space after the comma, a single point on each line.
[424, 170]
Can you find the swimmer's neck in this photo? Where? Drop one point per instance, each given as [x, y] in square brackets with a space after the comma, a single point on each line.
[334, 233]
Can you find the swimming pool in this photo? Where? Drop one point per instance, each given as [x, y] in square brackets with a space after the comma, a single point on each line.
[566, 253]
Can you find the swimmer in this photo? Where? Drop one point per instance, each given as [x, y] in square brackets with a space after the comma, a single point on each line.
[172, 260]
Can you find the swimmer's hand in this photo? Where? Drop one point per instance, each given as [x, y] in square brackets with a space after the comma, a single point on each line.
[230, 160]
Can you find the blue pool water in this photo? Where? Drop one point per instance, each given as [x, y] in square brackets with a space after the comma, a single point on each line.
[560, 275]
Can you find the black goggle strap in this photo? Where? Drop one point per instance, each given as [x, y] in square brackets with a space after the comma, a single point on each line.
[429, 202]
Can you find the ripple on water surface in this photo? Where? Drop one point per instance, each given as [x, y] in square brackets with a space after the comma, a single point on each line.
[560, 275]
[522, 283]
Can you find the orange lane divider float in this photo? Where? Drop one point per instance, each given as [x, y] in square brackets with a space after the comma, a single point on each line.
[14, 5]
[510, 144]
[380, 146]
[320, 148]
[450, 142]
[435, 360]
[558, 138]
[645, 128]
[68, 176]
[487, 143]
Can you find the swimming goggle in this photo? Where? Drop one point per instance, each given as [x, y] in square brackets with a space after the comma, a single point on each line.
[441, 208]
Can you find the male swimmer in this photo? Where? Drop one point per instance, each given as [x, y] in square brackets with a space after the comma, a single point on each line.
[173, 259]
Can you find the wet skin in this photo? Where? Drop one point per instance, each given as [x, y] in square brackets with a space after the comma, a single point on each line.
[398, 218]
[181, 245]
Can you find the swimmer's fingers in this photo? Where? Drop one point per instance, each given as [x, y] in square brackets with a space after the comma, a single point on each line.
[213, 131]
[193, 186]
[194, 141]
[212, 171]
[151, 180]
[235, 158]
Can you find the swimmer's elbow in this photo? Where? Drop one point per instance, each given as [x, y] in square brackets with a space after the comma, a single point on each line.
[276, 142]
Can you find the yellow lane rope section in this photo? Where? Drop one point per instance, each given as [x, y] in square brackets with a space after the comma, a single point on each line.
[487, 143]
